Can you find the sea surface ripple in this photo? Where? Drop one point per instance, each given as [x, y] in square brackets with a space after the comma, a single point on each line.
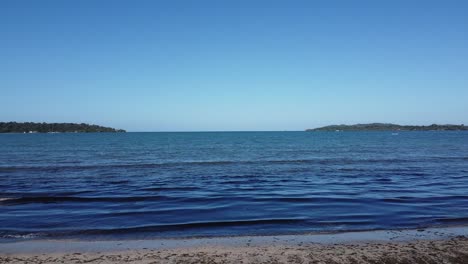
[145, 185]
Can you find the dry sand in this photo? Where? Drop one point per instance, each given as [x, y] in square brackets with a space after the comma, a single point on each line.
[453, 250]
[397, 249]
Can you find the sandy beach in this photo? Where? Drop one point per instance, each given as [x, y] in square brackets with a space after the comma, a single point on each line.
[440, 245]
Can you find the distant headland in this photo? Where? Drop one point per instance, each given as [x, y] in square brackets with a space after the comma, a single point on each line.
[30, 127]
[389, 127]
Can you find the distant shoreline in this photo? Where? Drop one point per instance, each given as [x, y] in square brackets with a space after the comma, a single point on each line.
[209, 131]
[390, 127]
[31, 128]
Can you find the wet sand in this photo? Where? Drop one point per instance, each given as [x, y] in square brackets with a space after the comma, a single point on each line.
[443, 245]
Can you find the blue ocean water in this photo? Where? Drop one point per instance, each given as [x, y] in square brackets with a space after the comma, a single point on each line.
[146, 185]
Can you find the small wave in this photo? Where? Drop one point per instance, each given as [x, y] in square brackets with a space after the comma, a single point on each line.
[383, 180]
[317, 200]
[116, 166]
[119, 182]
[191, 225]
[159, 189]
[59, 199]
[21, 236]
[453, 220]
[433, 199]
[449, 158]
[153, 228]
[330, 161]
[348, 223]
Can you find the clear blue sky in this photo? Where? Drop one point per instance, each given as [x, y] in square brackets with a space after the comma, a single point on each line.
[233, 65]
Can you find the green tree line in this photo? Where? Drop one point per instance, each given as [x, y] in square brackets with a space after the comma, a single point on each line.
[388, 127]
[26, 127]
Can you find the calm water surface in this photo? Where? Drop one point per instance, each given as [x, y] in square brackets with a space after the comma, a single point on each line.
[145, 185]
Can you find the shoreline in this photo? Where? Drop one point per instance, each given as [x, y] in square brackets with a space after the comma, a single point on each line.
[345, 237]
[383, 246]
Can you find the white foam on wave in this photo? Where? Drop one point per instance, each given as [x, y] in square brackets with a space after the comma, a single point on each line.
[23, 236]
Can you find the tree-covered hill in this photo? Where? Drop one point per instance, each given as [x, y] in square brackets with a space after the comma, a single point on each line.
[388, 127]
[29, 127]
